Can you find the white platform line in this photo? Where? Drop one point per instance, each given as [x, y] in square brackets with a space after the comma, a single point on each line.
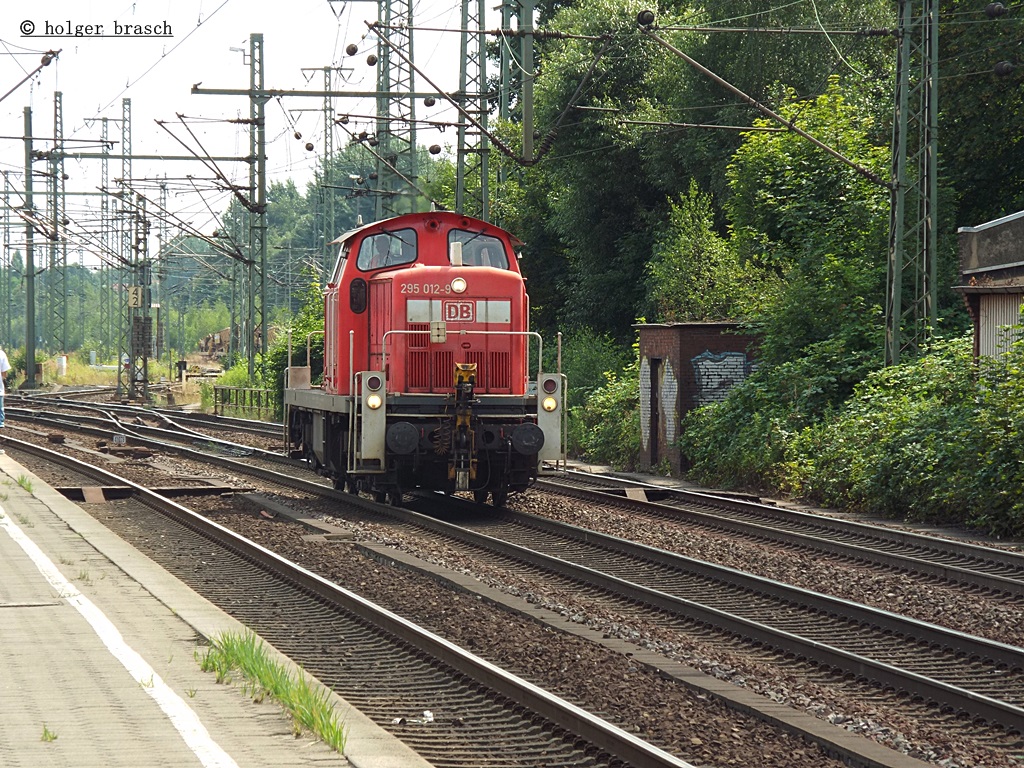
[187, 723]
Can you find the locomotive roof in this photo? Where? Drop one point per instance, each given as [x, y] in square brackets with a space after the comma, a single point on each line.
[409, 218]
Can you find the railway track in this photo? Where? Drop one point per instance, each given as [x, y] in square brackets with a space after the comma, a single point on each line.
[958, 561]
[479, 714]
[951, 671]
[736, 608]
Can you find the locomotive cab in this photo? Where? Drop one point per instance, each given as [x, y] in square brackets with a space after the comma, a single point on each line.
[427, 379]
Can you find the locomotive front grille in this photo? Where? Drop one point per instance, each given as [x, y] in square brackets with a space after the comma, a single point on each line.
[432, 371]
[419, 371]
[444, 370]
[421, 338]
[499, 372]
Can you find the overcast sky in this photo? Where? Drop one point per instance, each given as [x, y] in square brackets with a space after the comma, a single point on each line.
[188, 42]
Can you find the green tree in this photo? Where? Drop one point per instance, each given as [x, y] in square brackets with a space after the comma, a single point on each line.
[694, 274]
[980, 113]
[817, 223]
[609, 106]
[820, 226]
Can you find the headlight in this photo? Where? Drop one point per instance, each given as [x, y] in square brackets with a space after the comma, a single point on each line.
[459, 285]
[549, 404]
[373, 402]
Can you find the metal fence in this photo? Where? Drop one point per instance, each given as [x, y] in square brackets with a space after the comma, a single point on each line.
[244, 401]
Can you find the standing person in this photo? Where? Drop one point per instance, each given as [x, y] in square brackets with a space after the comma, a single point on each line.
[5, 366]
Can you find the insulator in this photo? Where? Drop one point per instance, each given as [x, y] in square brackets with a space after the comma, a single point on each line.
[645, 18]
[373, 175]
[343, 119]
[435, 149]
[371, 59]
[995, 10]
[298, 135]
[352, 49]
[430, 101]
[309, 146]
[372, 141]
[1004, 68]
[362, 135]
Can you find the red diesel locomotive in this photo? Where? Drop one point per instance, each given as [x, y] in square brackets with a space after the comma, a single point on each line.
[427, 378]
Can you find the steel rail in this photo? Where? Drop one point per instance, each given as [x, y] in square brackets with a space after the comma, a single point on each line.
[971, 647]
[709, 516]
[595, 730]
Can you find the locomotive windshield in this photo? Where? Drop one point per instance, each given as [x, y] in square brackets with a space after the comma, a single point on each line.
[387, 249]
[478, 249]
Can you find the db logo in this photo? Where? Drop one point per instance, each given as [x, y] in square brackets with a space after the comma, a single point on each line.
[459, 311]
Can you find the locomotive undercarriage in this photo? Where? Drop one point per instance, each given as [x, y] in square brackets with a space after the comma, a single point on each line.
[486, 446]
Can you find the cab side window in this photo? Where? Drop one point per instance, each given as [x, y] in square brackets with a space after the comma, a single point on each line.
[387, 249]
[339, 266]
[479, 250]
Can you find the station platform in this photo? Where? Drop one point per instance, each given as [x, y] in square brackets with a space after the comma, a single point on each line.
[99, 668]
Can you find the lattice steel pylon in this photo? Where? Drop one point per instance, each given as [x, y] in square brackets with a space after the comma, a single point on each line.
[326, 188]
[516, 64]
[56, 278]
[107, 246]
[139, 304]
[910, 312]
[126, 262]
[472, 182]
[396, 111]
[257, 266]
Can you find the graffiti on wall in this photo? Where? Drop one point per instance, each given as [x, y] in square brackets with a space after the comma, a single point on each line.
[717, 373]
[645, 402]
[668, 398]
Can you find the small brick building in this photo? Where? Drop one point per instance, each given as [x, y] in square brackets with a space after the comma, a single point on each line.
[684, 366]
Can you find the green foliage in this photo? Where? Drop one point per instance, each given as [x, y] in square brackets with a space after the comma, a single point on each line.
[607, 429]
[206, 396]
[791, 201]
[693, 274]
[16, 357]
[980, 113]
[819, 226]
[594, 207]
[307, 327]
[588, 359]
[743, 441]
[306, 324]
[872, 453]
[938, 439]
[308, 703]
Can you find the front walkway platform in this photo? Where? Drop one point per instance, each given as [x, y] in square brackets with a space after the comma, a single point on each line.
[98, 666]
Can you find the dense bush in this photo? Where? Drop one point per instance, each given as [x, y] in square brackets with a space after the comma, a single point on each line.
[938, 439]
[743, 441]
[587, 357]
[882, 450]
[607, 429]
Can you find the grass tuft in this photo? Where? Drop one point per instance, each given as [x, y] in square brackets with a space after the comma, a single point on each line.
[308, 703]
[48, 735]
